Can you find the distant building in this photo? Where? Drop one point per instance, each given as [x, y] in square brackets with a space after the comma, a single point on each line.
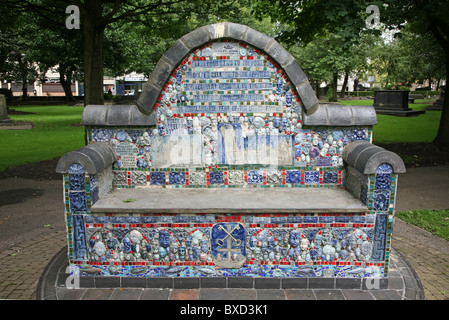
[128, 84]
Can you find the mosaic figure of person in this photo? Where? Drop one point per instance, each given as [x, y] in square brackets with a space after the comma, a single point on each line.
[164, 238]
[295, 238]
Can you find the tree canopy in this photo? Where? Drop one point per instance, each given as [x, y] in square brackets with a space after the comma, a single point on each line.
[307, 20]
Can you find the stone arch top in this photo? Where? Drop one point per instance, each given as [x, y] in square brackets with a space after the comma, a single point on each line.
[225, 30]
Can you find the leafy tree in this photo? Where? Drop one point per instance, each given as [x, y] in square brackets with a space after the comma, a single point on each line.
[327, 58]
[96, 16]
[421, 57]
[16, 63]
[52, 46]
[407, 58]
[348, 18]
[138, 46]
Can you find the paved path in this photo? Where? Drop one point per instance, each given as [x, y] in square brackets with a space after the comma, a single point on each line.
[26, 251]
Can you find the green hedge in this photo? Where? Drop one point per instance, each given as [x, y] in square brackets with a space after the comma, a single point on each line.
[7, 93]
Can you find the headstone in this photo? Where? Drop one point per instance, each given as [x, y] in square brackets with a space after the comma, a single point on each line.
[3, 111]
[393, 102]
[437, 105]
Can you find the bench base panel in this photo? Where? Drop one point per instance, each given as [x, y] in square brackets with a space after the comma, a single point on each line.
[233, 245]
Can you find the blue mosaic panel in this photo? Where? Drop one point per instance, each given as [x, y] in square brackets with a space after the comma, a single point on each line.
[157, 178]
[380, 238]
[255, 177]
[76, 168]
[76, 182]
[312, 177]
[364, 195]
[78, 201]
[228, 242]
[79, 237]
[330, 177]
[384, 175]
[384, 168]
[94, 194]
[216, 177]
[177, 178]
[383, 181]
[293, 176]
[381, 200]
[93, 181]
[359, 134]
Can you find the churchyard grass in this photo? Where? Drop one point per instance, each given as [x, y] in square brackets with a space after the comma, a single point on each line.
[55, 133]
[434, 221]
[394, 129]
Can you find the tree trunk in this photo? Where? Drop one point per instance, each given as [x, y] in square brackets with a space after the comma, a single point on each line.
[334, 86]
[66, 83]
[345, 83]
[23, 74]
[442, 138]
[24, 89]
[93, 33]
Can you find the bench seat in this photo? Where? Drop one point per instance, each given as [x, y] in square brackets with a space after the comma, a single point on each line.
[229, 200]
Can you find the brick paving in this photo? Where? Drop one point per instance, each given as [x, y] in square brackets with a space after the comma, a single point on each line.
[430, 263]
[22, 265]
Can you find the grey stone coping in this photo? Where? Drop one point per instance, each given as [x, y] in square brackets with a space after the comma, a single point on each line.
[94, 158]
[366, 157]
[116, 115]
[325, 114]
[224, 30]
[335, 114]
[229, 200]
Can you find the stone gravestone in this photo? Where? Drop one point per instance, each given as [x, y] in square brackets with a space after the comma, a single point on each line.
[3, 111]
[229, 167]
[438, 105]
[394, 102]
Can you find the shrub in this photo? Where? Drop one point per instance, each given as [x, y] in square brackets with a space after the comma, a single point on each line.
[7, 93]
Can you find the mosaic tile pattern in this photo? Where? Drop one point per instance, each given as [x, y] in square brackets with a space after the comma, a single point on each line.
[263, 245]
[226, 177]
[229, 104]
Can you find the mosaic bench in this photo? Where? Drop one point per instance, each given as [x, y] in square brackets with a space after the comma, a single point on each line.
[228, 167]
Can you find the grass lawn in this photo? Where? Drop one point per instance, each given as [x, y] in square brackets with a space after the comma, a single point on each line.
[434, 221]
[393, 129]
[52, 136]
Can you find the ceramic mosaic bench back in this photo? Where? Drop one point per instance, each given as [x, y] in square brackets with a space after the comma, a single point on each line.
[228, 107]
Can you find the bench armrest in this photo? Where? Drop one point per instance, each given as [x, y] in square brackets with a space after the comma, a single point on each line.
[94, 158]
[367, 157]
[371, 174]
[87, 175]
